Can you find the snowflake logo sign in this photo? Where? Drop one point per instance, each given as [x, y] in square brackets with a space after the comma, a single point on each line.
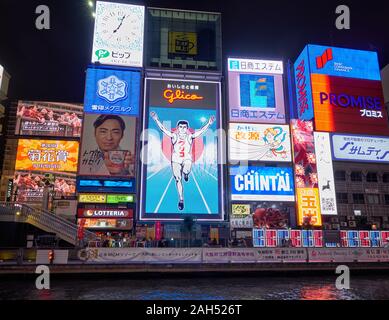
[112, 89]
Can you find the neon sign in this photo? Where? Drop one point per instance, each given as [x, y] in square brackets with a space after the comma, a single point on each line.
[172, 96]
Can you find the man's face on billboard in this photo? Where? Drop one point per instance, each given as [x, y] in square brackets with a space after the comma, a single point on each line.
[108, 135]
[182, 128]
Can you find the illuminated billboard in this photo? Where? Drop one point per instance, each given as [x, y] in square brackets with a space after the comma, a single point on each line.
[105, 198]
[256, 91]
[48, 119]
[261, 183]
[28, 186]
[357, 148]
[108, 146]
[259, 142]
[109, 91]
[106, 185]
[181, 172]
[325, 173]
[183, 43]
[118, 34]
[47, 155]
[105, 213]
[308, 207]
[342, 62]
[105, 224]
[92, 198]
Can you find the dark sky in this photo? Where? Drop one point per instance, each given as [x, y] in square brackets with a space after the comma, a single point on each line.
[50, 64]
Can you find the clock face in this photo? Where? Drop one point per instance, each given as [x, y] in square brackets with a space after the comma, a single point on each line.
[118, 33]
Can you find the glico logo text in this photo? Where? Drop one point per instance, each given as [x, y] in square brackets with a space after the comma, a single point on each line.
[172, 96]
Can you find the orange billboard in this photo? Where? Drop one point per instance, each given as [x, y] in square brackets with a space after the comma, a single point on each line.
[47, 155]
[308, 207]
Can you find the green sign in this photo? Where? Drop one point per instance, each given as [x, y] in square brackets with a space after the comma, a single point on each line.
[115, 198]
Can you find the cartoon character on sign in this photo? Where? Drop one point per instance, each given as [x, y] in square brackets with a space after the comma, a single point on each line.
[273, 138]
[182, 138]
[269, 218]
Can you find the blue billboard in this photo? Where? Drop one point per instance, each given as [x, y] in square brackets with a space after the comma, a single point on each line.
[342, 62]
[109, 91]
[105, 185]
[302, 78]
[261, 183]
[182, 175]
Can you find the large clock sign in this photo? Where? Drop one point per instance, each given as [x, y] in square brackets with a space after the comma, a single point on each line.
[118, 36]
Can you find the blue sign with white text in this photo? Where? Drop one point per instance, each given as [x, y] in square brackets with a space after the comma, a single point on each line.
[110, 91]
[262, 183]
[342, 62]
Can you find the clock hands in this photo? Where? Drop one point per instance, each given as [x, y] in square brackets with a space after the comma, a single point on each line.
[121, 22]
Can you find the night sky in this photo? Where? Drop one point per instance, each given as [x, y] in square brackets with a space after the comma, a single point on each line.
[50, 64]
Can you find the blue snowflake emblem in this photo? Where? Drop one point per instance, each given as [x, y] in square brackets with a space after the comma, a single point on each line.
[112, 89]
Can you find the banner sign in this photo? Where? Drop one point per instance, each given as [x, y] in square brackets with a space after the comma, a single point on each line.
[308, 206]
[112, 92]
[107, 223]
[182, 172]
[105, 213]
[325, 172]
[118, 34]
[256, 92]
[262, 183]
[241, 221]
[48, 119]
[47, 155]
[259, 142]
[92, 198]
[356, 148]
[106, 185]
[119, 198]
[348, 255]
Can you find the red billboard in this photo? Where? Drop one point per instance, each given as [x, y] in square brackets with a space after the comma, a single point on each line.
[348, 105]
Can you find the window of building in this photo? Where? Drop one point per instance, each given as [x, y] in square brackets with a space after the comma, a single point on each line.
[340, 175]
[373, 199]
[385, 177]
[356, 176]
[358, 198]
[371, 177]
[342, 198]
[387, 199]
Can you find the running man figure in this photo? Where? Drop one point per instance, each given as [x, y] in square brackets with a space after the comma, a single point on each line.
[182, 141]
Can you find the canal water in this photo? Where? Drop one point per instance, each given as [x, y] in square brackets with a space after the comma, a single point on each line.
[200, 288]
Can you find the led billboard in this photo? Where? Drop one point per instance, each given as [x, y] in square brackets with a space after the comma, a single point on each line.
[109, 91]
[105, 213]
[325, 173]
[106, 185]
[308, 207]
[261, 183]
[105, 224]
[259, 142]
[256, 91]
[48, 119]
[342, 62]
[181, 172]
[348, 105]
[108, 146]
[47, 155]
[118, 34]
[357, 148]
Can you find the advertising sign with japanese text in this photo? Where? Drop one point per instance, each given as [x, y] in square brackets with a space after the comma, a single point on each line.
[256, 91]
[48, 119]
[183, 43]
[108, 146]
[346, 147]
[181, 172]
[241, 209]
[107, 223]
[47, 155]
[261, 183]
[259, 142]
[325, 172]
[118, 34]
[109, 91]
[308, 204]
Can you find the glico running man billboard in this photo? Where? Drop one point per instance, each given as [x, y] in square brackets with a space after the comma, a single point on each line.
[259, 142]
[256, 91]
[181, 171]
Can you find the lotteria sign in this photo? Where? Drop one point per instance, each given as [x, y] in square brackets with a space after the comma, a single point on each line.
[261, 183]
[105, 213]
[348, 105]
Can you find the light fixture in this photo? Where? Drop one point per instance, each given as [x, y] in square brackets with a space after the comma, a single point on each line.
[18, 213]
[90, 3]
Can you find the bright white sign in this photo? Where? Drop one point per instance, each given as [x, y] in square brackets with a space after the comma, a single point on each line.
[325, 173]
[259, 142]
[360, 148]
[118, 36]
[255, 66]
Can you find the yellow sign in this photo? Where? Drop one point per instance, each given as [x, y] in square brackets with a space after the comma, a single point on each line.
[308, 203]
[47, 155]
[92, 198]
[241, 209]
[214, 234]
[183, 43]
